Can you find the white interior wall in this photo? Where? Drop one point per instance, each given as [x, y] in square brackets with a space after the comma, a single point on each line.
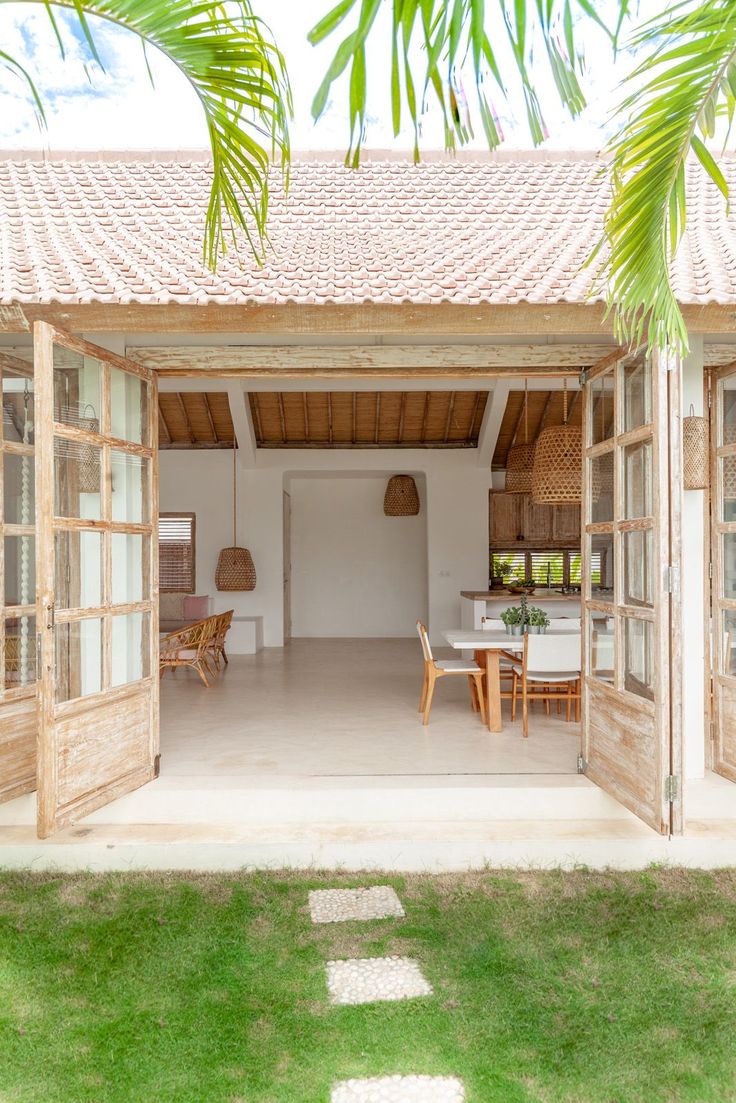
[456, 523]
[354, 571]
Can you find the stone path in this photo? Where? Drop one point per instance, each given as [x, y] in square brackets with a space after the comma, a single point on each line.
[340, 905]
[372, 980]
[399, 1089]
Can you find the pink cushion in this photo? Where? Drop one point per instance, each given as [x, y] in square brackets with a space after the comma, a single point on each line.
[196, 608]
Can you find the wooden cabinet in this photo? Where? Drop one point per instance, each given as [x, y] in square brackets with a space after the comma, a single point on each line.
[505, 524]
[566, 525]
[515, 521]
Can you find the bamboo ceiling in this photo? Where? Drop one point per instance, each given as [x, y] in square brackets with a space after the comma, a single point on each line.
[367, 419]
[194, 420]
[544, 410]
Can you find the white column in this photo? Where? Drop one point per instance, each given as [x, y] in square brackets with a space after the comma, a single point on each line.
[694, 569]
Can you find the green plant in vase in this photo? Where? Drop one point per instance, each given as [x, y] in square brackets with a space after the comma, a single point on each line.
[537, 620]
[513, 619]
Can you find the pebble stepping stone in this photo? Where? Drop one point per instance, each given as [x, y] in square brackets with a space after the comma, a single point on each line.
[371, 979]
[399, 1089]
[340, 905]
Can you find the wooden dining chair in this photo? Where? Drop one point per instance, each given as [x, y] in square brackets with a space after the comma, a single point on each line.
[440, 668]
[549, 666]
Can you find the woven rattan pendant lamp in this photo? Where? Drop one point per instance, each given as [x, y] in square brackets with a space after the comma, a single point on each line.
[401, 498]
[557, 477]
[235, 568]
[520, 460]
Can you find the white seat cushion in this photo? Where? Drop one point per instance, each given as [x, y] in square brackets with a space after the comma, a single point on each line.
[549, 676]
[458, 666]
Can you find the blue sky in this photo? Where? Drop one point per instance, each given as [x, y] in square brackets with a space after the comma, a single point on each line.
[119, 109]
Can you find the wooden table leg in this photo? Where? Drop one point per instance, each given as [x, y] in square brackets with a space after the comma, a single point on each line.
[493, 691]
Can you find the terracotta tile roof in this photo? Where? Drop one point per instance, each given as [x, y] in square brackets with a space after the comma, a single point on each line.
[500, 231]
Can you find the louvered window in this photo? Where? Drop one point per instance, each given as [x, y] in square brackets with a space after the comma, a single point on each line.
[562, 568]
[176, 563]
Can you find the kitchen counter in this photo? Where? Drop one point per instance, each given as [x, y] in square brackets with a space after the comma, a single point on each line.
[477, 604]
[504, 595]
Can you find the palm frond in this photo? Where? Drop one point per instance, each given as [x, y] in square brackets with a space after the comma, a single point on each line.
[226, 53]
[445, 34]
[678, 95]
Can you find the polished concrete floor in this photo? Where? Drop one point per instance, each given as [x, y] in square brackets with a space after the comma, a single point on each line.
[344, 708]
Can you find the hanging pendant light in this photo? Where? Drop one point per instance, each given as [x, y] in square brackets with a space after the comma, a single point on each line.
[557, 477]
[695, 452]
[520, 460]
[402, 497]
[235, 568]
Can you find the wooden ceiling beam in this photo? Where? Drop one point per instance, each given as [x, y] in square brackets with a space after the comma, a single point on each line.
[450, 411]
[402, 415]
[473, 415]
[185, 415]
[210, 419]
[305, 406]
[378, 415]
[257, 415]
[282, 416]
[329, 416]
[425, 416]
[163, 425]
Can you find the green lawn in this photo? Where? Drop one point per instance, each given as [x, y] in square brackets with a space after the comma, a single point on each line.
[585, 987]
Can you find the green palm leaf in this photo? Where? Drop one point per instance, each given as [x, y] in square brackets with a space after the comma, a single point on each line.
[446, 33]
[683, 87]
[240, 79]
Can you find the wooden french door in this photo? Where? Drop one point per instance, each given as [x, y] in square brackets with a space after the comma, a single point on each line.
[96, 510]
[631, 708]
[723, 552]
[17, 580]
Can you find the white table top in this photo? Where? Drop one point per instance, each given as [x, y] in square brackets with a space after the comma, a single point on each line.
[477, 639]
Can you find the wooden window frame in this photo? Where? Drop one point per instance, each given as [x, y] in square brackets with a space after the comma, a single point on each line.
[181, 513]
[528, 555]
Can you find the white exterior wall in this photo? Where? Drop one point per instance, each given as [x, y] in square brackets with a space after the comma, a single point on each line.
[453, 525]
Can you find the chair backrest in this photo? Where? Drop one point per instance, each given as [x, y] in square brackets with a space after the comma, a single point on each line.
[552, 651]
[424, 639]
[564, 624]
[490, 624]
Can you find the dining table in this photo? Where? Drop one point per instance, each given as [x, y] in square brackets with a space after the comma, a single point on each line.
[489, 647]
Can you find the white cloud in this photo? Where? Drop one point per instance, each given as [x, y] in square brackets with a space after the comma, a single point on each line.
[120, 109]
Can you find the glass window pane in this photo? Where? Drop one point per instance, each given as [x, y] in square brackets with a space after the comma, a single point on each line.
[78, 569]
[638, 475]
[20, 570]
[548, 568]
[600, 647]
[78, 657]
[129, 560]
[728, 413]
[18, 489]
[77, 480]
[638, 563]
[128, 406]
[728, 483]
[602, 566]
[601, 488]
[506, 566]
[637, 387]
[130, 648]
[77, 390]
[638, 640]
[17, 388]
[600, 409]
[729, 565]
[20, 651]
[728, 657]
[129, 487]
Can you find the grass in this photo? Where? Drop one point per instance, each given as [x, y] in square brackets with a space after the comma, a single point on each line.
[580, 987]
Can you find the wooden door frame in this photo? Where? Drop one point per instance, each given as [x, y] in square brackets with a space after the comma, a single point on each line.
[667, 654]
[52, 814]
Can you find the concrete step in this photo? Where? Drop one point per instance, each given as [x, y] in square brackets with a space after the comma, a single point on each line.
[349, 801]
[421, 846]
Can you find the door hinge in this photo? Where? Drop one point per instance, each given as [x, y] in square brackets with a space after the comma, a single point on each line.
[671, 580]
[582, 764]
[51, 615]
[671, 788]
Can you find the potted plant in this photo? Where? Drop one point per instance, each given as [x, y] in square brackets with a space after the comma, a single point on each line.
[537, 620]
[513, 619]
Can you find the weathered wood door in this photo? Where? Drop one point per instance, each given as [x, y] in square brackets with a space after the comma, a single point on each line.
[96, 496]
[17, 580]
[723, 545]
[631, 706]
